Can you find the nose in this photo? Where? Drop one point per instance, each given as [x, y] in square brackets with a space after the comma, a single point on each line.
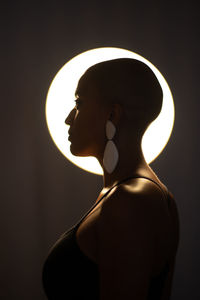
[70, 117]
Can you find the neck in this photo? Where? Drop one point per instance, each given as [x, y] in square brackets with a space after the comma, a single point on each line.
[131, 163]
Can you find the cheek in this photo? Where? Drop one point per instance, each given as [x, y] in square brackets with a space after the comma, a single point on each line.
[97, 130]
[91, 128]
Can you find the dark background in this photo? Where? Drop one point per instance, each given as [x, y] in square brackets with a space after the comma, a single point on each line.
[42, 193]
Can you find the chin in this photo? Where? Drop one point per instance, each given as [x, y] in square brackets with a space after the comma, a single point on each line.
[79, 152]
[73, 150]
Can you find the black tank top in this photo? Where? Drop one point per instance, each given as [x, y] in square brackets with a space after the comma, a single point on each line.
[69, 274]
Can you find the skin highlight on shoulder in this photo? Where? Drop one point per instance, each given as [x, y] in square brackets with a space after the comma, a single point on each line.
[131, 203]
[133, 190]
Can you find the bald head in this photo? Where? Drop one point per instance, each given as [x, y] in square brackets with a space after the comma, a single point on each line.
[130, 83]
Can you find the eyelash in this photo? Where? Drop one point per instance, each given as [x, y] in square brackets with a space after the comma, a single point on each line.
[78, 102]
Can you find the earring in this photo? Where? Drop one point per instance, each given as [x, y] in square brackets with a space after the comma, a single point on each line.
[111, 155]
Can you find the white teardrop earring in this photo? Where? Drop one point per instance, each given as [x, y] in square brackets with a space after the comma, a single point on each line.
[111, 155]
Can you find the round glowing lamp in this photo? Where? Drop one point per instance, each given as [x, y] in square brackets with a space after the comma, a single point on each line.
[60, 101]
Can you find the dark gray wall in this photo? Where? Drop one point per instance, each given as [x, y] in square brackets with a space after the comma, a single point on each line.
[40, 198]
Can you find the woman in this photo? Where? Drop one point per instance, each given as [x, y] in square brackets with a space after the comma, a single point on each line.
[125, 246]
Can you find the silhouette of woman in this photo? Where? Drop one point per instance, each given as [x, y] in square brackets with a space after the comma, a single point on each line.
[125, 246]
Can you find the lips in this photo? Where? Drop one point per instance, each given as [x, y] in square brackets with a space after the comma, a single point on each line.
[69, 132]
[69, 137]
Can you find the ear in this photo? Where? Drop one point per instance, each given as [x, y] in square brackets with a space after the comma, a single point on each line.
[116, 113]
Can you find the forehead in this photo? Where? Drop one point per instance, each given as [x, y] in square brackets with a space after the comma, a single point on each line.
[85, 87]
[88, 91]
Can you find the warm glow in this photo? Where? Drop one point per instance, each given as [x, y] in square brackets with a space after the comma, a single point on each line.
[60, 101]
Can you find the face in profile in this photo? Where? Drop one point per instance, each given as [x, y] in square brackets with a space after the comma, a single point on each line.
[87, 122]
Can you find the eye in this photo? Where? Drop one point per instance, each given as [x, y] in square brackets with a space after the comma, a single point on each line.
[78, 102]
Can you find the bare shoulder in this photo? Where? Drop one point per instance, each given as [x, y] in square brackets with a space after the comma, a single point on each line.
[140, 207]
[136, 196]
[136, 207]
